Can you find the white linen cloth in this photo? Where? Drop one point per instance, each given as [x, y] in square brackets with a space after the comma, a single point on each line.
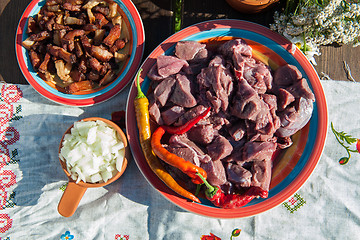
[326, 207]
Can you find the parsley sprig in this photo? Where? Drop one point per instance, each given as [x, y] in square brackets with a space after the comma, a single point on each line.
[345, 140]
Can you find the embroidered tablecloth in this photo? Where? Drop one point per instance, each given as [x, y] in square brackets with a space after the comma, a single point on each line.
[32, 183]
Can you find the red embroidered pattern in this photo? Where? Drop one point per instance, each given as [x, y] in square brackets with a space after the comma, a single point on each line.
[121, 237]
[8, 136]
[5, 223]
[3, 197]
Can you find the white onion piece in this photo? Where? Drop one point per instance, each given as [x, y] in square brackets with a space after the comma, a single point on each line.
[93, 152]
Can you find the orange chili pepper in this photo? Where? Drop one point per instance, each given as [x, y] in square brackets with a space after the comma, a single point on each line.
[185, 166]
[143, 122]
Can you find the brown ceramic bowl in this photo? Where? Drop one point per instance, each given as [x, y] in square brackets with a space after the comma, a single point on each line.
[251, 6]
[74, 191]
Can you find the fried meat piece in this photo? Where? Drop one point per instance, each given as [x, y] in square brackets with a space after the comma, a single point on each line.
[61, 53]
[101, 53]
[35, 59]
[79, 86]
[114, 34]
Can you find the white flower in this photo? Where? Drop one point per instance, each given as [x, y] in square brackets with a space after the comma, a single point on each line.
[308, 48]
[336, 21]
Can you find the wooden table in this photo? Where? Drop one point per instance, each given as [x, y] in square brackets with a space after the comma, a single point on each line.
[157, 19]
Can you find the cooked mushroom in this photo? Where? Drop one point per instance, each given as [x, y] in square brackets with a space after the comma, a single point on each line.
[90, 28]
[112, 10]
[99, 36]
[119, 57]
[63, 70]
[88, 6]
[59, 19]
[28, 43]
[68, 20]
[46, 76]
[58, 26]
[92, 3]
[52, 2]
[109, 77]
[58, 36]
[53, 8]
[117, 20]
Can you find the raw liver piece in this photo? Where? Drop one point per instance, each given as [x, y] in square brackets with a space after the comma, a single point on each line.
[286, 75]
[238, 175]
[215, 172]
[258, 151]
[292, 119]
[187, 50]
[219, 148]
[285, 98]
[163, 91]
[182, 93]
[169, 65]
[235, 46]
[202, 134]
[261, 174]
[183, 141]
[172, 114]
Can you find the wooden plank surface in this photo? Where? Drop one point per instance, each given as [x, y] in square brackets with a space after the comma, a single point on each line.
[157, 19]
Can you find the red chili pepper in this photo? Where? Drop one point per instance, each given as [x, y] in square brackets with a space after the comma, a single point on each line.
[185, 166]
[186, 127]
[230, 201]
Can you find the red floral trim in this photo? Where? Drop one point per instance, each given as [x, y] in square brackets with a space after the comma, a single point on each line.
[122, 237]
[3, 198]
[5, 223]
[9, 94]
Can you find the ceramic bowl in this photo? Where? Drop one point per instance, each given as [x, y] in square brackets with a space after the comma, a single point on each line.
[251, 6]
[135, 30]
[293, 166]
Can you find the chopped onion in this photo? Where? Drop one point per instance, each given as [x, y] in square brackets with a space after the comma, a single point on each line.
[93, 152]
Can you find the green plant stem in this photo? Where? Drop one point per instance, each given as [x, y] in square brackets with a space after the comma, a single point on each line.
[177, 17]
[348, 150]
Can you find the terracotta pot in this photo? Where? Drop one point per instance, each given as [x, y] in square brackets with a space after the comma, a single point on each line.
[251, 6]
